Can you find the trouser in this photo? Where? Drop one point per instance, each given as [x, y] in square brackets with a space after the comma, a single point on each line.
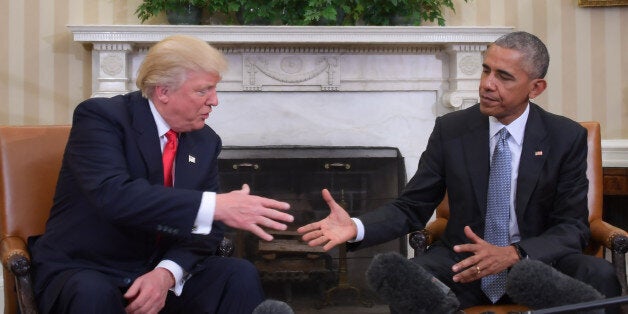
[592, 270]
[224, 285]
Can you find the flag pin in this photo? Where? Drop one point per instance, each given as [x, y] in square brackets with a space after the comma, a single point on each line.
[191, 159]
[538, 153]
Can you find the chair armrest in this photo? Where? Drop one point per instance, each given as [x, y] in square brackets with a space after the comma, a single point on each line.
[615, 239]
[16, 260]
[421, 239]
[225, 248]
[11, 246]
[609, 236]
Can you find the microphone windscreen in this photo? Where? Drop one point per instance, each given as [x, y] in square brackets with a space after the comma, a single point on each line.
[408, 288]
[273, 307]
[536, 285]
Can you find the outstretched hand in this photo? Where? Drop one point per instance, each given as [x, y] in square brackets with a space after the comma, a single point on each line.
[239, 209]
[486, 258]
[337, 228]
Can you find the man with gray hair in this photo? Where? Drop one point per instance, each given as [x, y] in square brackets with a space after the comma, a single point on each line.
[137, 220]
[515, 176]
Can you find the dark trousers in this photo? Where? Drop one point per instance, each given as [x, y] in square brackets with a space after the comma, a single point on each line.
[594, 271]
[223, 286]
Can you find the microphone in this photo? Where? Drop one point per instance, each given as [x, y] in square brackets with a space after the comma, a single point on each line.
[536, 285]
[408, 288]
[273, 307]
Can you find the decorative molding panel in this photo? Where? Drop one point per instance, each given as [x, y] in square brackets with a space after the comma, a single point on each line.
[615, 153]
[269, 56]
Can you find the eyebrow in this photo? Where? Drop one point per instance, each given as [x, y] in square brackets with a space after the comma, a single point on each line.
[500, 72]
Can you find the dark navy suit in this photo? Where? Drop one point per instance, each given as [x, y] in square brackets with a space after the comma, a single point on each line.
[551, 197]
[111, 212]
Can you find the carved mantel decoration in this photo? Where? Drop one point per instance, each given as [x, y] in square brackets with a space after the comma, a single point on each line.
[294, 58]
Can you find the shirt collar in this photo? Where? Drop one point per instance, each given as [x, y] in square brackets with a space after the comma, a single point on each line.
[516, 128]
[162, 126]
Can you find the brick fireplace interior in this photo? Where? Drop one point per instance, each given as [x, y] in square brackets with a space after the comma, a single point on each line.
[359, 178]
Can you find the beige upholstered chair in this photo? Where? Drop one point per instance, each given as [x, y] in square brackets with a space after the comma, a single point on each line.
[30, 160]
[603, 234]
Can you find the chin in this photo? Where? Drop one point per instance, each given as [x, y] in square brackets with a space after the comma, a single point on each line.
[487, 110]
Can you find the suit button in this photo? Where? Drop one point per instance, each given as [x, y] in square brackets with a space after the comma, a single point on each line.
[127, 281]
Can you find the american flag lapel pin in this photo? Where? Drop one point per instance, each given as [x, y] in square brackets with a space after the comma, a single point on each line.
[191, 159]
[538, 153]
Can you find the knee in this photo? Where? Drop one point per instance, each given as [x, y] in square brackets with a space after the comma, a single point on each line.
[242, 270]
[79, 286]
[600, 274]
[89, 292]
[598, 269]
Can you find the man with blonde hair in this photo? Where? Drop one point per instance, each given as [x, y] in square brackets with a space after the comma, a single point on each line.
[136, 219]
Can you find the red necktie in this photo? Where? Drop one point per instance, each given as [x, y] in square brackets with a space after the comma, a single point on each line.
[170, 150]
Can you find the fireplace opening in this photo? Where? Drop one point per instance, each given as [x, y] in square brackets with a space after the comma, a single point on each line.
[359, 178]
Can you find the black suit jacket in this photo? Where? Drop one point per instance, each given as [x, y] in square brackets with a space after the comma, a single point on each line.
[111, 212]
[551, 195]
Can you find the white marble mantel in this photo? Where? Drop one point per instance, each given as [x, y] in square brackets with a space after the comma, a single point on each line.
[321, 85]
[332, 86]
[115, 50]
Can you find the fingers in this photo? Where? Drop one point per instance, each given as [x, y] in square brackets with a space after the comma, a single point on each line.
[245, 188]
[328, 198]
[271, 223]
[465, 263]
[470, 274]
[132, 292]
[256, 230]
[471, 235]
[318, 238]
[271, 203]
[307, 229]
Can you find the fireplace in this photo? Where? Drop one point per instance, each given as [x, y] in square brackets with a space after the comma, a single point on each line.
[359, 178]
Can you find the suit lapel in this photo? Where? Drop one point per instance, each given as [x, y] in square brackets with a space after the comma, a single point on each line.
[476, 146]
[533, 154]
[187, 162]
[147, 137]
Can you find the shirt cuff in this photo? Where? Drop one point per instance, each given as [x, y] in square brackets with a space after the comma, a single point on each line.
[205, 216]
[180, 276]
[360, 227]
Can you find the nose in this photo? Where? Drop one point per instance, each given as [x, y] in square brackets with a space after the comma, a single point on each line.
[486, 82]
[212, 99]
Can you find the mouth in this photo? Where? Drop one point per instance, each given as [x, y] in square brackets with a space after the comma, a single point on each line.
[488, 99]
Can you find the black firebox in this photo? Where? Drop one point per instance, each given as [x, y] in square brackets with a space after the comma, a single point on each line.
[359, 178]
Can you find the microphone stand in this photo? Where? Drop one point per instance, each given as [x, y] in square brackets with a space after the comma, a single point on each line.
[596, 304]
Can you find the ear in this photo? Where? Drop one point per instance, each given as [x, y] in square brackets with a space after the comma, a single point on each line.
[162, 94]
[537, 87]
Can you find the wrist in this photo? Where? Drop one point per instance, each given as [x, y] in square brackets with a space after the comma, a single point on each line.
[169, 278]
[520, 252]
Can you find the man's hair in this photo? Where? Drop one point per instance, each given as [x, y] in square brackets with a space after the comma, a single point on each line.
[168, 62]
[535, 54]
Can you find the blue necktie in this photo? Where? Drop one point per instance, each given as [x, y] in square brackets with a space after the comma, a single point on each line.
[498, 211]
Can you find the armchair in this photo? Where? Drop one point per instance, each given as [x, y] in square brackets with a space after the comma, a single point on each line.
[603, 235]
[30, 160]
